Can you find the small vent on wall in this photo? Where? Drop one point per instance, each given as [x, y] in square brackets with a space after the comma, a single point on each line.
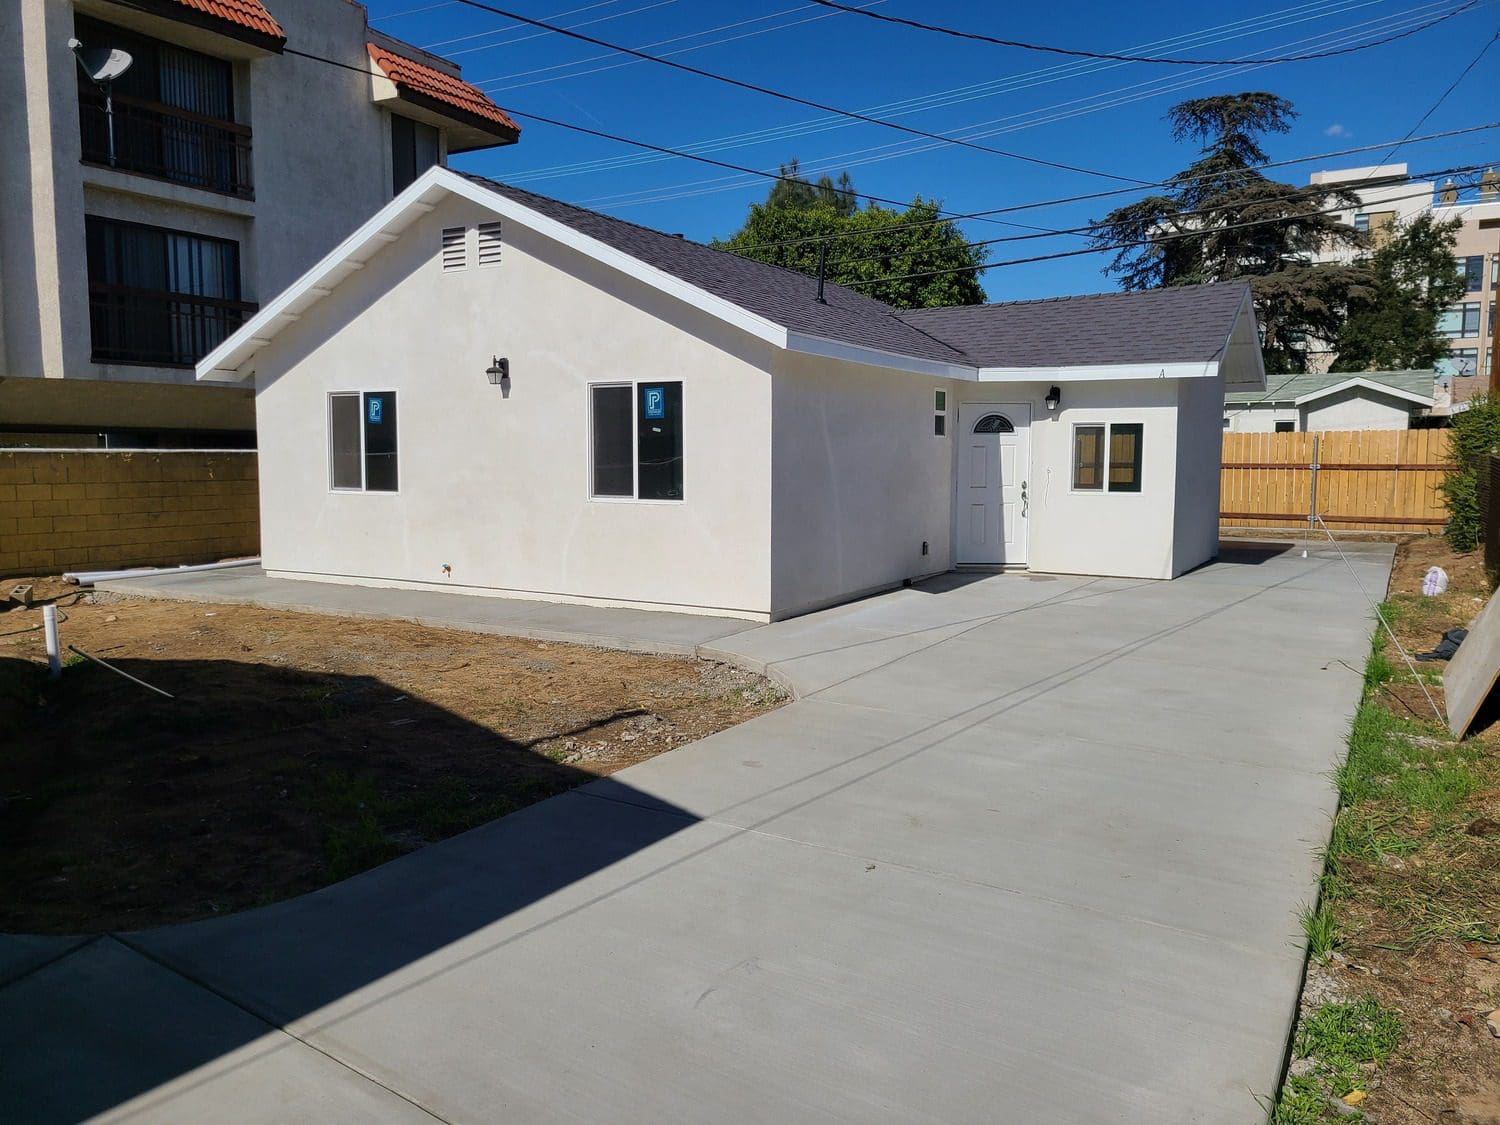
[489, 244]
[455, 248]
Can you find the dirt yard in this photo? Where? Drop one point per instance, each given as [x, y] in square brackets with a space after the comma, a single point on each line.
[1397, 1010]
[298, 749]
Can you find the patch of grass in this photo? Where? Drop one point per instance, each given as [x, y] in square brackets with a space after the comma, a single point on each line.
[1378, 669]
[1302, 1102]
[1340, 1038]
[1321, 930]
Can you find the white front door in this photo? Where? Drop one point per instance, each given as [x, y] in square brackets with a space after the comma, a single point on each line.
[994, 461]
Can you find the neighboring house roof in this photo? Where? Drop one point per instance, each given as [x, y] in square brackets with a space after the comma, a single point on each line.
[410, 75]
[780, 295]
[1105, 337]
[248, 14]
[1413, 386]
[1183, 324]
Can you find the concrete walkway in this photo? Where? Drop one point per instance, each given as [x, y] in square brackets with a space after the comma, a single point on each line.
[634, 630]
[1027, 849]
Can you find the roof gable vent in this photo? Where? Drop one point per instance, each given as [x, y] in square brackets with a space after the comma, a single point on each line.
[455, 248]
[489, 244]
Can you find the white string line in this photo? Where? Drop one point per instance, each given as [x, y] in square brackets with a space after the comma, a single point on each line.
[1442, 720]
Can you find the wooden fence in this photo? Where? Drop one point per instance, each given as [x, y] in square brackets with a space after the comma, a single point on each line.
[1357, 480]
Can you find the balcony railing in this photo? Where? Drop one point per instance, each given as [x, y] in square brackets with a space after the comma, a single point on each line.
[171, 144]
[148, 326]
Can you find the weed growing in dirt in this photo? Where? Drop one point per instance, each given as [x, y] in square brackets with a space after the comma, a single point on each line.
[1321, 931]
[1378, 669]
[1302, 1102]
[1339, 1038]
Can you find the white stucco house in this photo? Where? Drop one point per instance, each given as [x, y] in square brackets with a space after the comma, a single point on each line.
[1367, 400]
[487, 390]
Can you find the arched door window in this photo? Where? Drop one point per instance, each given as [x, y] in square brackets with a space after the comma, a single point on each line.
[994, 424]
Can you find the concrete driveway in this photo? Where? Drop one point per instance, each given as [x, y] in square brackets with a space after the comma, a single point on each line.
[1026, 849]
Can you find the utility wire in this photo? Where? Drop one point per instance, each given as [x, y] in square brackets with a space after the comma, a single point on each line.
[1104, 55]
[822, 107]
[945, 216]
[1123, 245]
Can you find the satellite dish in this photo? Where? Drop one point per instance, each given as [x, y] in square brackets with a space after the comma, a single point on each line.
[101, 64]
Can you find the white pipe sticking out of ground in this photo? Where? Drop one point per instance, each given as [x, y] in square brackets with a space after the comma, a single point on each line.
[89, 577]
[54, 650]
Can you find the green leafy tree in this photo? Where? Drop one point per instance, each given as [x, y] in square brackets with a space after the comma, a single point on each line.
[1395, 328]
[867, 248]
[1221, 218]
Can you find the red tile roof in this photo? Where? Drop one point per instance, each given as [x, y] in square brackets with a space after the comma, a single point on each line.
[245, 13]
[422, 79]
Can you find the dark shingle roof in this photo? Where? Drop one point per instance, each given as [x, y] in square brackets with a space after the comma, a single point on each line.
[780, 295]
[1190, 323]
[1184, 324]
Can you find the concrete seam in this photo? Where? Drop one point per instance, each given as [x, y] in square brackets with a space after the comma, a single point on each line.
[198, 982]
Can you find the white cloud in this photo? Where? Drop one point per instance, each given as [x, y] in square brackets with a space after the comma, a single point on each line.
[1336, 130]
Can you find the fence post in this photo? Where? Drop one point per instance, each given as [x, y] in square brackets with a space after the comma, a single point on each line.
[1312, 492]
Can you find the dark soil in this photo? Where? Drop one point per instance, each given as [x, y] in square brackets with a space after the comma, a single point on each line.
[298, 749]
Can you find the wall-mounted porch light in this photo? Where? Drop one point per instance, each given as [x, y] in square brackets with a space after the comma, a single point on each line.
[1053, 399]
[498, 373]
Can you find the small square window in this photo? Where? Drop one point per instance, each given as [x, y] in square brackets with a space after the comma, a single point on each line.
[1107, 457]
[636, 442]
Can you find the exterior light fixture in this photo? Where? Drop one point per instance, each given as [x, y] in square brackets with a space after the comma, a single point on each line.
[498, 373]
[1054, 398]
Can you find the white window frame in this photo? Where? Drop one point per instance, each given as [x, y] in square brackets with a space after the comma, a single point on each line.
[635, 440]
[362, 490]
[1104, 488]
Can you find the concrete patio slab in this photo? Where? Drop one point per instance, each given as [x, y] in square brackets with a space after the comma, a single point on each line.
[24, 953]
[631, 630]
[1026, 848]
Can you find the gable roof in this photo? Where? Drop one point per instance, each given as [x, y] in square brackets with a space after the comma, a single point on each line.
[1416, 386]
[412, 76]
[781, 306]
[780, 295]
[1183, 324]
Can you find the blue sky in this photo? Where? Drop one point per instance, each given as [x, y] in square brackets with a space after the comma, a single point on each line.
[1104, 115]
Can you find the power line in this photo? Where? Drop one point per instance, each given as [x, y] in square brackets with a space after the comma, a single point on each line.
[727, 183]
[1128, 244]
[822, 107]
[945, 216]
[953, 217]
[1104, 55]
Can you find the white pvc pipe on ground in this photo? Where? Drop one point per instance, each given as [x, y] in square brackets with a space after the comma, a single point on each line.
[89, 577]
[54, 650]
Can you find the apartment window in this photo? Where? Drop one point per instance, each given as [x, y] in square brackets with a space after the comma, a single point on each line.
[171, 115]
[1107, 457]
[362, 447]
[414, 149]
[1362, 222]
[1457, 362]
[159, 296]
[1472, 271]
[1377, 224]
[1459, 322]
[636, 441]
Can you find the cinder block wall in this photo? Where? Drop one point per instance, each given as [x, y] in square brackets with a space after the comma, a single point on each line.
[74, 509]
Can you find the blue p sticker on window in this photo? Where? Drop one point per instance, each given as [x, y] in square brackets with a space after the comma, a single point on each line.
[655, 399]
[374, 408]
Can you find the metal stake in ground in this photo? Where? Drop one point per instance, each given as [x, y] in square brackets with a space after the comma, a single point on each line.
[118, 671]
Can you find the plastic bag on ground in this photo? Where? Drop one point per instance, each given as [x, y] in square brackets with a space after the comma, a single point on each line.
[1436, 582]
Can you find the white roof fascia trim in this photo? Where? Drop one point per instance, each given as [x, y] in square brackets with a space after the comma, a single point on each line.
[876, 357]
[223, 363]
[1099, 372]
[1368, 384]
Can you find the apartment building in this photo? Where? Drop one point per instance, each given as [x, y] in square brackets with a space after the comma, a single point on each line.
[1388, 198]
[149, 212]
